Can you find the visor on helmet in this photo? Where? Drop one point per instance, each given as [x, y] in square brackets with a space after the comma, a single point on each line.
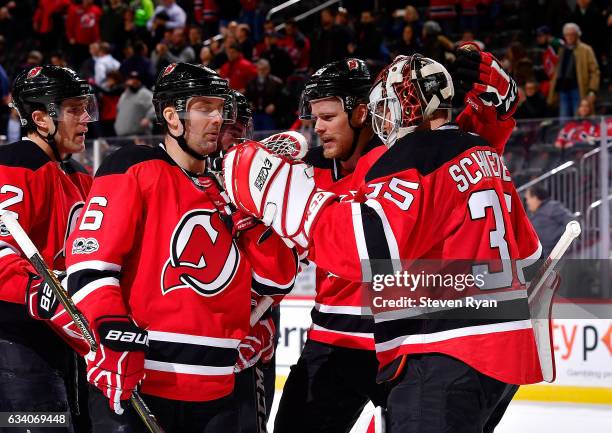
[82, 109]
[206, 107]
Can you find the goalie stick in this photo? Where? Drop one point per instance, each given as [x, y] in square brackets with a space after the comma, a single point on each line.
[33, 255]
[541, 291]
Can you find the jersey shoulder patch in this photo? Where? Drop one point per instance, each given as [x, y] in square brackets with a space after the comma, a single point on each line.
[24, 154]
[123, 159]
[424, 151]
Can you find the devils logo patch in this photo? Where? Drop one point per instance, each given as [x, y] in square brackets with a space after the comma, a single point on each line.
[203, 255]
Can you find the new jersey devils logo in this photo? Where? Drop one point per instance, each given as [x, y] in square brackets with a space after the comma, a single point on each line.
[203, 255]
[34, 72]
[171, 67]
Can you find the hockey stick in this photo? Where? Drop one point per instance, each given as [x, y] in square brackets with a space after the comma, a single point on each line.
[33, 255]
[541, 291]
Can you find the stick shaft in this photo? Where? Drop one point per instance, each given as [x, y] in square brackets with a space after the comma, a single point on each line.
[33, 255]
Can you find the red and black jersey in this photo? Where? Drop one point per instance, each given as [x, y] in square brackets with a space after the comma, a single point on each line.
[440, 195]
[47, 198]
[338, 317]
[152, 245]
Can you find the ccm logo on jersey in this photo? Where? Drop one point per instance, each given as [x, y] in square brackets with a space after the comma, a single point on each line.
[203, 255]
[85, 246]
[3, 230]
[263, 174]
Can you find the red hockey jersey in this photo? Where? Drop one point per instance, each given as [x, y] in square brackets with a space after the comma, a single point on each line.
[160, 253]
[47, 201]
[441, 194]
[339, 317]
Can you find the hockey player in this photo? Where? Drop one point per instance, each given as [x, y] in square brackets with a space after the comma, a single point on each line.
[45, 188]
[338, 357]
[167, 288]
[437, 193]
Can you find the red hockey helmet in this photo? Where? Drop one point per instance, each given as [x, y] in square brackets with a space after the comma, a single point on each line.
[406, 93]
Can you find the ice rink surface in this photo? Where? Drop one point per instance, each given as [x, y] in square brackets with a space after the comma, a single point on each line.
[533, 417]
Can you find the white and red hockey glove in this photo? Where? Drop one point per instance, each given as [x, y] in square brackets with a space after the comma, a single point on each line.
[42, 304]
[117, 367]
[259, 344]
[274, 189]
[487, 85]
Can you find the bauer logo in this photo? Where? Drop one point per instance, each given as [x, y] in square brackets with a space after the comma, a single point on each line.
[263, 174]
[85, 246]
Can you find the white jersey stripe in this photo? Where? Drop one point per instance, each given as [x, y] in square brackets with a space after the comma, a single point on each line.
[201, 370]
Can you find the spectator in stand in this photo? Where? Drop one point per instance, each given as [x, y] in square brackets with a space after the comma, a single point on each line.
[137, 60]
[45, 22]
[34, 58]
[104, 63]
[435, 44]
[5, 110]
[219, 56]
[329, 41]
[550, 46]
[576, 75]
[58, 59]
[518, 63]
[444, 12]
[532, 103]
[548, 217]
[9, 24]
[368, 40]
[297, 45]
[468, 36]
[174, 51]
[593, 24]
[206, 58]
[409, 44]
[408, 17]
[469, 15]
[251, 17]
[206, 16]
[343, 20]
[135, 112]
[172, 16]
[238, 70]
[195, 39]
[280, 60]
[584, 129]
[243, 37]
[266, 94]
[112, 26]
[82, 29]
[108, 95]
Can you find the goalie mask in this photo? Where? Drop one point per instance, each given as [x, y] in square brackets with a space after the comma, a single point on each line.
[180, 84]
[406, 93]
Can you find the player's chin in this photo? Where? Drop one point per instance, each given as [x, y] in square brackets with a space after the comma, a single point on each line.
[207, 147]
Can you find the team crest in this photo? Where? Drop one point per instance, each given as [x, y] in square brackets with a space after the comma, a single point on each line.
[352, 64]
[34, 72]
[169, 69]
[203, 255]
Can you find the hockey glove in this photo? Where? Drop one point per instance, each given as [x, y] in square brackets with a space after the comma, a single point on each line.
[117, 367]
[278, 191]
[487, 85]
[42, 304]
[240, 221]
[259, 344]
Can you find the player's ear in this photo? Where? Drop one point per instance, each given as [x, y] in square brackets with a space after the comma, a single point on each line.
[171, 118]
[360, 115]
[41, 120]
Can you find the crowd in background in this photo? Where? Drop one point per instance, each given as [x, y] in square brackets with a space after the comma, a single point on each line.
[559, 51]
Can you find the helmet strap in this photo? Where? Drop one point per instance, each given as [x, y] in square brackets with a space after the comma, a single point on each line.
[50, 140]
[180, 139]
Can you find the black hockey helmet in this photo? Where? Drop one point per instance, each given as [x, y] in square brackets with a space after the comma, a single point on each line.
[244, 112]
[44, 88]
[180, 81]
[348, 79]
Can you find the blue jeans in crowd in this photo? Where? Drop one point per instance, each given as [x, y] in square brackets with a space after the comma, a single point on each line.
[568, 103]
